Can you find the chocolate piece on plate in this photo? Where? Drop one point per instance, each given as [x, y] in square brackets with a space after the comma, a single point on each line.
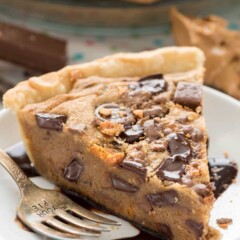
[18, 154]
[31, 49]
[222, 173]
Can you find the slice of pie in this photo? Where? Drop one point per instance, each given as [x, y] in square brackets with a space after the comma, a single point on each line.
[126, 132]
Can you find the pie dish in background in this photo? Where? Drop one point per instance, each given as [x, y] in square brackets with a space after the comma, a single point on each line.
[75, 15]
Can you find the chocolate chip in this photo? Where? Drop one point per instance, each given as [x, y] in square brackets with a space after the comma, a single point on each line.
[222, 173]
[179, 147]
[162, 199]
[77, 128]
[171, 170]
[154, 84]
[196, 227]
[155, 111]
[114, 113]
[132, 134]
[73, 171]
[51, 121]
[165, 231]
[151, 130]
[134, 166]
[188, 94]
[123, 185]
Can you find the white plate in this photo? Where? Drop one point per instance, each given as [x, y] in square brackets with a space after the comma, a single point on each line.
[223, 122]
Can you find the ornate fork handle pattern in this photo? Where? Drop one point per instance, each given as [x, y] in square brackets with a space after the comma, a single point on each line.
[18, 175]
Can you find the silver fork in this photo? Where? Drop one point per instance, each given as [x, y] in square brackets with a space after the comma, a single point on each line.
[49, 212]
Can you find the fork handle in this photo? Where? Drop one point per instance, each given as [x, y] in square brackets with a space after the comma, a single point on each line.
[16, 172]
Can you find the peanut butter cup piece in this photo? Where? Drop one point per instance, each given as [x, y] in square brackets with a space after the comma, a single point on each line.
[114, 113]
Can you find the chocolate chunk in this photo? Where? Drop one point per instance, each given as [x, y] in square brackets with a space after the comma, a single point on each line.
[73, 171]
[196, 227]
[151, 130]
[31, 49]
[179, 147]
[222, 173]
[165, 231]
[51, 121]
[155, 111]
[134, 166]
[123, 185]
[162, 199]
[133, 134]
[188, 94]
[114, 113]
[154, 84]
[171, 170]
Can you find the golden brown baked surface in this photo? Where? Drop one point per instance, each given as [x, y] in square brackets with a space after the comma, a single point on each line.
[164, 60]
[125, 131]
[220, 45]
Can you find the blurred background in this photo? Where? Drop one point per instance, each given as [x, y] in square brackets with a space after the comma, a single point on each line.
[90, 29]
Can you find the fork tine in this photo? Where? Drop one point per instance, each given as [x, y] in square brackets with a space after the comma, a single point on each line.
[70, 229]
[78, 222]
[51, 233]
[82, 212]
